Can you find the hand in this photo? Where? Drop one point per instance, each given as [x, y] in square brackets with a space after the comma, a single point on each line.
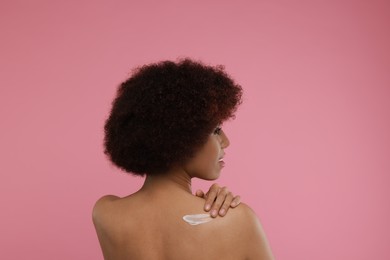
[218, 200]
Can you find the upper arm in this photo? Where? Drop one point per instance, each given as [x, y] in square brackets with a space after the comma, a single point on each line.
[101, 207]
[102, 217]
[256, 244]
[102, 212]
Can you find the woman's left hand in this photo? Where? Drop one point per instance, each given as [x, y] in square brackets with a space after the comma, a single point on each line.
[218, 200]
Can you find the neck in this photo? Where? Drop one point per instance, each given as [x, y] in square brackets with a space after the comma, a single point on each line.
[176, 179]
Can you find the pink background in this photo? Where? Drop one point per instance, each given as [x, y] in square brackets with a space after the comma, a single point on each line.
[309, 148]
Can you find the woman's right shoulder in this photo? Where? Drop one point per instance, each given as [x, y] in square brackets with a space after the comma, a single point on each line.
[242, 214]
[249, 233]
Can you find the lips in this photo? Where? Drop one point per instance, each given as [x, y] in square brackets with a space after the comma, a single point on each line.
[221, 162]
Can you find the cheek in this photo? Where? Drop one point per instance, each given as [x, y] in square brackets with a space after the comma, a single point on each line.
[206, 160]
[203, 166]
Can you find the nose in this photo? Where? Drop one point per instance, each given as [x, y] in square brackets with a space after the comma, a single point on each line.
[224, 140]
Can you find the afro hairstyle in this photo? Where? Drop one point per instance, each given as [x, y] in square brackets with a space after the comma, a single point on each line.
[164, 113]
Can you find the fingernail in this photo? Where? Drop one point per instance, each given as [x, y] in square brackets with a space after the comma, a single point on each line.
[222, 212]
[214, 213]
[207, 207]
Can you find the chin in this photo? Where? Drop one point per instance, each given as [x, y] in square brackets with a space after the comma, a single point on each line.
[209, 175]
[212, 177]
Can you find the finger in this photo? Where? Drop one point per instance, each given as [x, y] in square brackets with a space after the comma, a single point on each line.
[226, 204]
[211, 196]
[200, 193]
[218, 201]
[236, 201]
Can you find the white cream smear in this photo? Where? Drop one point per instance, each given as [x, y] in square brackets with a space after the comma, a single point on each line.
[197, 219]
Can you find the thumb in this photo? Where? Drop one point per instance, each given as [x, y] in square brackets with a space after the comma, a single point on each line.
[199, 193]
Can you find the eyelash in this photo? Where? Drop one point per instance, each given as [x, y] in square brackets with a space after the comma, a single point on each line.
[217, 130]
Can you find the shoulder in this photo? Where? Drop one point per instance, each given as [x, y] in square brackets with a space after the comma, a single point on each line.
[104, 202]
[246, 224]
[242, 214]
[103, 208]
[248, 219]
[104, 216]
[245, 211]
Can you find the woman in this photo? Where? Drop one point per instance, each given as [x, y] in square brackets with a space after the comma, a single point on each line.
[165, 124]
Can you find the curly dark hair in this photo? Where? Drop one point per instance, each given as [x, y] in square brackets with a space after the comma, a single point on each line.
[164, 113]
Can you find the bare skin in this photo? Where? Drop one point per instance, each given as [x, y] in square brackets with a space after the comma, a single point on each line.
[218, 200]
[148, 224]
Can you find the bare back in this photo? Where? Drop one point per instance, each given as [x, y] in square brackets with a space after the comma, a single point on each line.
[148, 225]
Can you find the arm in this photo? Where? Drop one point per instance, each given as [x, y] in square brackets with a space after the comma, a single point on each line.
[218, 200]
[102, 220]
